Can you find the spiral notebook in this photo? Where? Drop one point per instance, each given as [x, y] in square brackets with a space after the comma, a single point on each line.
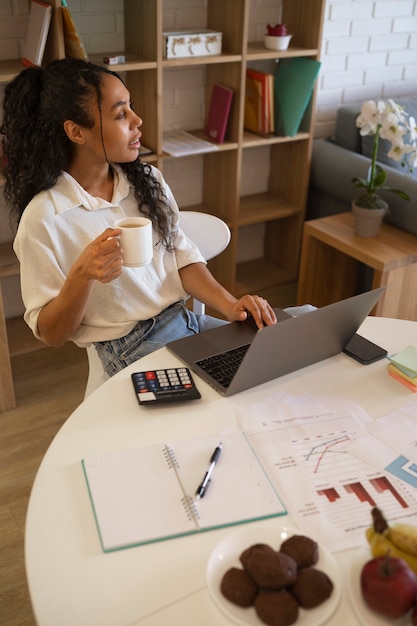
[145, 495]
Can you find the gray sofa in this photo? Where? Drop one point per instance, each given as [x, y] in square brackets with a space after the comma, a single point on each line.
[336, 160]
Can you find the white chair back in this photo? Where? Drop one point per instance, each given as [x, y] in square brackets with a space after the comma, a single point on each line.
[211, 235]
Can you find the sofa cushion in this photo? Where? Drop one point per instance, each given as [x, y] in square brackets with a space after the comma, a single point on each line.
[346, 133]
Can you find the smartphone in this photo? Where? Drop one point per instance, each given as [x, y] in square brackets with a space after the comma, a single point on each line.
[363, 350]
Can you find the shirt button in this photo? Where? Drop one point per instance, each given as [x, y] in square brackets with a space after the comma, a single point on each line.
[115, 209]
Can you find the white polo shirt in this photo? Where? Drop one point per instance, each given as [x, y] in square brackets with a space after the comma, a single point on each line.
[59, 223]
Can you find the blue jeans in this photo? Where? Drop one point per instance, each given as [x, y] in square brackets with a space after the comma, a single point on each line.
[149, 335]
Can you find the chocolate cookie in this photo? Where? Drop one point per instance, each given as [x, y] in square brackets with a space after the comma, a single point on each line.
[271, 570]
[238, 587]
[276, 608]
[302, 549]
[311, 588]
[263, 548]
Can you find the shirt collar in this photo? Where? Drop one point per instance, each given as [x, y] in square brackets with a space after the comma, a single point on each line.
[68, 194]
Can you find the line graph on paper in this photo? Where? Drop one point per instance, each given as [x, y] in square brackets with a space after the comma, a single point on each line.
[329, 490]
[330, 463]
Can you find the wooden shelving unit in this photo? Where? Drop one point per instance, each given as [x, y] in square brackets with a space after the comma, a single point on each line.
[282, 206]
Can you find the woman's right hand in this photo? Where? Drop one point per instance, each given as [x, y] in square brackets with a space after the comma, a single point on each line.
[102, 259]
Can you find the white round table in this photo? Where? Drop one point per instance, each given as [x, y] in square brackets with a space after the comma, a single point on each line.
[73, 583]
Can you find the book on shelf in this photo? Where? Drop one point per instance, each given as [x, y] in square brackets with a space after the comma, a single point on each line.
[147, 494]
[259, 102]
[74, 47]
[37, 33]
[219, 112]
[293, 87]
[179, 143]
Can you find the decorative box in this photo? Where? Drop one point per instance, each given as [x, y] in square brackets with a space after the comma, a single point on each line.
[191, 43]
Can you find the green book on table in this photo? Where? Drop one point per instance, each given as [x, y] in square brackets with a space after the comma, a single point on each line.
[293, 86]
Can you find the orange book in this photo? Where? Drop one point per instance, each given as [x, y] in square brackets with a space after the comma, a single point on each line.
[253, 105]
[74, 47]
[258, 102]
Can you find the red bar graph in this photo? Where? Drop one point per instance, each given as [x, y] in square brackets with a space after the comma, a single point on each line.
[331, 494]
[360, 492]
[382, 484]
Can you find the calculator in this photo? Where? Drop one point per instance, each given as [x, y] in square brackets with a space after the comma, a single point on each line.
[165, 385]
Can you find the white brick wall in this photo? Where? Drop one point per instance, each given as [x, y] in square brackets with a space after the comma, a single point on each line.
[369, 50]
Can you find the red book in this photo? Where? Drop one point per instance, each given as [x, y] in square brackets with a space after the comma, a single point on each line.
[218, 113]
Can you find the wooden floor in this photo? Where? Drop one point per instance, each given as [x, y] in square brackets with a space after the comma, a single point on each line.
[49, 385]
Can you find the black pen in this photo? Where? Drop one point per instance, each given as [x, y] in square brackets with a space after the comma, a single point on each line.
[207, 477]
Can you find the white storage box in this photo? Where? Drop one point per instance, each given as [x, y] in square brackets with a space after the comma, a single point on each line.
[191, 43]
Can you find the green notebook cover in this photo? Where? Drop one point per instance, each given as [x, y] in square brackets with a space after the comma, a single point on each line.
[293, 86]
[147, 494]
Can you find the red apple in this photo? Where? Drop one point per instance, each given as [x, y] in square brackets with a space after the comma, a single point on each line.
[389, 586]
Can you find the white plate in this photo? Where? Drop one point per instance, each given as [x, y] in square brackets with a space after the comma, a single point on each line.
[363, 613]
[226, 555]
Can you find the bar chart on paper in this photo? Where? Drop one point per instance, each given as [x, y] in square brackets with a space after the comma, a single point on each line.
[345, 487]
[328, 489]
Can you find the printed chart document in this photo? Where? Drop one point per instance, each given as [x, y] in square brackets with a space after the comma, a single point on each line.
[306, 445]
[393, 443]
[148, 494]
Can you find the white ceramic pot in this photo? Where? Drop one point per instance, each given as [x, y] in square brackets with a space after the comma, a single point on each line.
[276, 42]
[368, 221]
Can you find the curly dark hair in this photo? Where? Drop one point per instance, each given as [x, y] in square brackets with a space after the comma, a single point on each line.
[36, 104]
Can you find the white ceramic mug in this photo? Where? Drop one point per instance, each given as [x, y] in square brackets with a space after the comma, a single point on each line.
[136, 240]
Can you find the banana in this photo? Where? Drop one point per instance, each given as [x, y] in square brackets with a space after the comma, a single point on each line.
[404, 537]
[381, 545]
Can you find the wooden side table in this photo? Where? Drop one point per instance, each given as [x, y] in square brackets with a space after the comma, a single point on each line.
[332, 255]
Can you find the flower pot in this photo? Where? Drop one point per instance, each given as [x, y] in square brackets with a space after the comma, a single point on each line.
[277, 42]
[368, 221]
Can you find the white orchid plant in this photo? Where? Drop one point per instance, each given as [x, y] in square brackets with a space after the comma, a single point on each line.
[389, 121]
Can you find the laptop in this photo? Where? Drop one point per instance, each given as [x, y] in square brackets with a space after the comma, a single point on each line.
[265, 354]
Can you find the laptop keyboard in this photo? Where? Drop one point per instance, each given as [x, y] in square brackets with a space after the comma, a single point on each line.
[223, 366]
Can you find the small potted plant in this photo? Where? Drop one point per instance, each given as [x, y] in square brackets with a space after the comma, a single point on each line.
[277, 37]
[385, 120]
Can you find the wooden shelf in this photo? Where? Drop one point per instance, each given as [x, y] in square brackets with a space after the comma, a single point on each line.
[203, 60]
[259, 275]
[265, 207]
[281, 206]
[10, 69]
[256, 51]
[9, 265]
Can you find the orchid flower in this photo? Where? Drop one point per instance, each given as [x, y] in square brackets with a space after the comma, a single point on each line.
[388, 121]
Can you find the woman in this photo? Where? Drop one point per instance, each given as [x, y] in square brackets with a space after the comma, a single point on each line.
[73, 169]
